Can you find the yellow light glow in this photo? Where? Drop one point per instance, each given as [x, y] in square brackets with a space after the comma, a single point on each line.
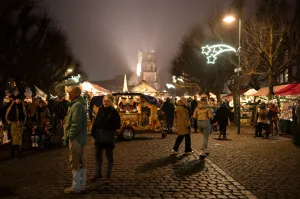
[70, 70]
[229, 19]
[139, 69]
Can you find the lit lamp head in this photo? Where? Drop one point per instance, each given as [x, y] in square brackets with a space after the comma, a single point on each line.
[229, 19]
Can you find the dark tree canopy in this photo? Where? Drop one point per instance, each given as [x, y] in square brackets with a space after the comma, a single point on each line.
[34, 49]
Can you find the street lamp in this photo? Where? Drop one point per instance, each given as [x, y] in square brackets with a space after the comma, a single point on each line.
[230, 19]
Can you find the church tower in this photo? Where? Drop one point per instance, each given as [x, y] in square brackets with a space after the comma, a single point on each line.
[147, 69]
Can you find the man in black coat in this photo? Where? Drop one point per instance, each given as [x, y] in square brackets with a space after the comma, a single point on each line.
[168, 109]
[222, 116]
[194, 104]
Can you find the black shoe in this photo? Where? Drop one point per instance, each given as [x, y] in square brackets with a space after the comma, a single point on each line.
[94, 178]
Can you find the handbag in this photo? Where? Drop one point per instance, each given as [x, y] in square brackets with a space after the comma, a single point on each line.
[105, 136]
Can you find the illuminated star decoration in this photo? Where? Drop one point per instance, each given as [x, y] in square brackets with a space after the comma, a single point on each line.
[212, 52]
[74, 78]
[170, 86]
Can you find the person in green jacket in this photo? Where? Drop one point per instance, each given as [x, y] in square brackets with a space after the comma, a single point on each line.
[76, 137]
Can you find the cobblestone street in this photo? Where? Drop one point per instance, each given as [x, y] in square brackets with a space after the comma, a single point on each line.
[236, 168]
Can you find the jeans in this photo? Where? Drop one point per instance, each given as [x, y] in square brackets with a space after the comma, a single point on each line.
[109, 158]
[35, 139]
[179, 139]
[205, 126]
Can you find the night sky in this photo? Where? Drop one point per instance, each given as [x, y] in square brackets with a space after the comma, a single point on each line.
[106, 35]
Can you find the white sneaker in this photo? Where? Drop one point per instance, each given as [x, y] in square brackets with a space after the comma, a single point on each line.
[174, 152]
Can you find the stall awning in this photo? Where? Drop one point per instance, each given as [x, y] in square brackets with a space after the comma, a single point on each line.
[242, 91]
[291, 89]
[265, 90]
[250, 92]
[94, 88]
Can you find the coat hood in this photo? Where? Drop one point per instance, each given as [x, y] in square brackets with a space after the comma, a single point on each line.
[78, 99]
[202, 105]
[180, 103]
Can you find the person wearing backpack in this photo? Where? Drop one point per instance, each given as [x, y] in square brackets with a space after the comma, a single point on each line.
[262, 120]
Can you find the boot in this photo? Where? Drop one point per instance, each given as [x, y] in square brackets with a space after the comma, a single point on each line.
[75, 188]
[83, 179]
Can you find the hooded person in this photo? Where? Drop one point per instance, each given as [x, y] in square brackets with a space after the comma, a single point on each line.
[76, 138]
[203, 115]
[262, 120]
[16, 118]
[183, 126]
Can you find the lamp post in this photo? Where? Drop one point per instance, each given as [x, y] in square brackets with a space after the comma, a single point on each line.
[229, 19]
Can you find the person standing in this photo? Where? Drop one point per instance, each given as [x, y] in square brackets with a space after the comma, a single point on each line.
[76, 138]
[222, 116]
[42, 112]
[194, 104]
[183, 126]
[203, 115]
[262, 120]
[16, 118]
[104, 133]
[3, 113]
[168, 109]
[274, 118]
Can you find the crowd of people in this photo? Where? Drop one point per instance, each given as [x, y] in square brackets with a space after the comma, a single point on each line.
[186, 114]
[37, 120]
[266, 117]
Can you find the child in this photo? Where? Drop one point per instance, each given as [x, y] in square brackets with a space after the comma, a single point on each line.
[34, 136]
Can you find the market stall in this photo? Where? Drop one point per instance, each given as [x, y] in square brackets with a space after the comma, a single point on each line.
[288, 97]
[144, 88]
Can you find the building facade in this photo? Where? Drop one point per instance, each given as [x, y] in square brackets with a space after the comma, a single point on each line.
[146, 70]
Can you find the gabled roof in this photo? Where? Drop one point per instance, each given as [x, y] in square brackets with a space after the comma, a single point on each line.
[143, 87]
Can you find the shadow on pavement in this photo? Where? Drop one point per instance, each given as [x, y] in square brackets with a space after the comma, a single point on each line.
[6, 191]
[5, 152]
[189, 168]
[149, 166]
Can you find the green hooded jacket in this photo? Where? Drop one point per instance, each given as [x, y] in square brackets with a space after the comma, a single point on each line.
[76, 122]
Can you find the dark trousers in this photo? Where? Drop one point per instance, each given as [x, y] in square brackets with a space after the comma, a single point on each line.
[195, 125]
[223, 130]
[260, 127]
[15, 148]
[187, 139]
[109, 158]
[8, 132]
[169, 123]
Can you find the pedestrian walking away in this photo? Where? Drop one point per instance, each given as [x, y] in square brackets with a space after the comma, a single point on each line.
[203, 115]
[76, 138]
[104, 133]
[222, 116]
[183, 126]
